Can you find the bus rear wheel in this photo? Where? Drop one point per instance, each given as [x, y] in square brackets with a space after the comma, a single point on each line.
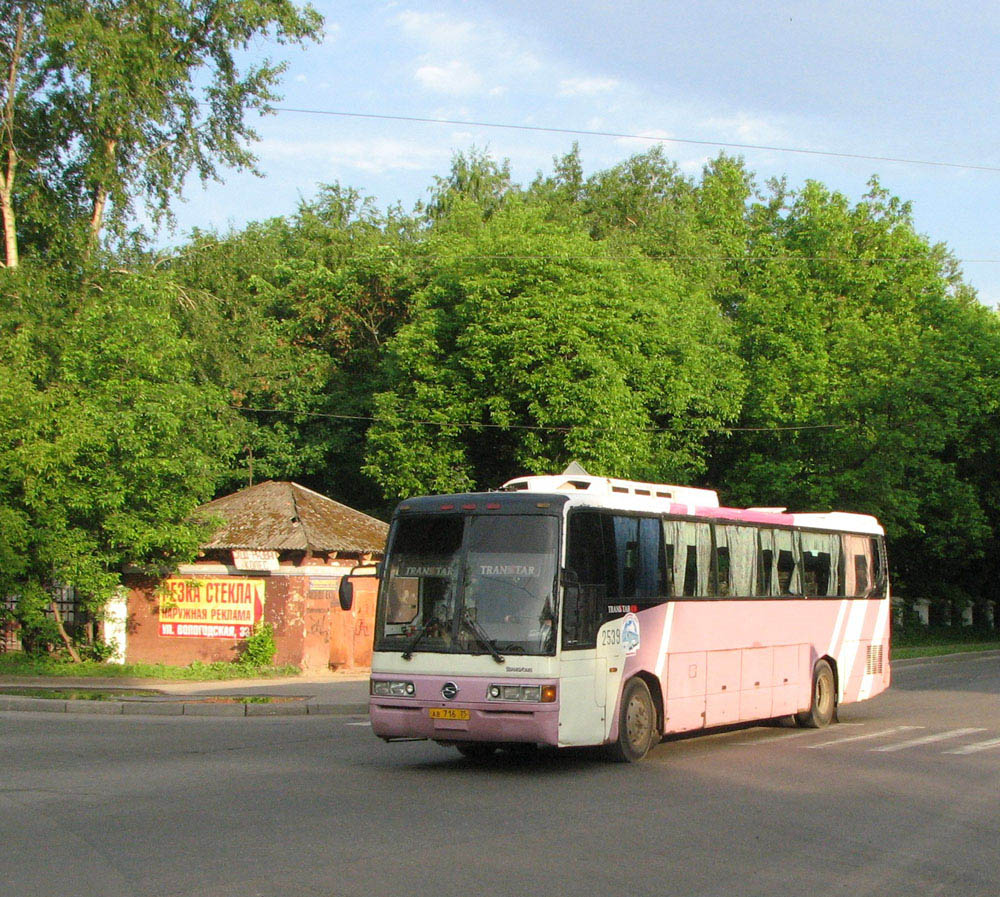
[824, 699]
[637, 730]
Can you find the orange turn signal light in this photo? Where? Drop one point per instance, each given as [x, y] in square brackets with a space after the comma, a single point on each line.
[548, 694]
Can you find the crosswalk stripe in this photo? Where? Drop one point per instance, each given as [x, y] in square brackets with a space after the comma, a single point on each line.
[786, 735]
[927, 739]
[880, 734]
[975, 748]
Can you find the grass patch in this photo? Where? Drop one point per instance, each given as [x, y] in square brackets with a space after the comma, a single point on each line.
[18, 664]
[904, 652]
[924, 641]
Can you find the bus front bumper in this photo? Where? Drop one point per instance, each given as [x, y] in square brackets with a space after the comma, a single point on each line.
[399, 718]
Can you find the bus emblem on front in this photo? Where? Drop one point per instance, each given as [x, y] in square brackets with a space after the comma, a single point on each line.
[449, 690]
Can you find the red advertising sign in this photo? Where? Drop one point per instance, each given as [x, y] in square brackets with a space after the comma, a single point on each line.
[215, 607]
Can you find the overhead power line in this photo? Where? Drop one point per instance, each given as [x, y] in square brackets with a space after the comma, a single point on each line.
[580, 132]
[475, 425]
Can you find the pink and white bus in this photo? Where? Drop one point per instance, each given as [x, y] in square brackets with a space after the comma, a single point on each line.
[578, 610]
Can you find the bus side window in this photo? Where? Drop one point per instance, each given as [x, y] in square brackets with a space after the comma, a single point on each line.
[861, 574]
[789, 566]
[736, 560]
[765, 563]
[723, 585]
[820, 563]
[692, 557]
[590, 562]
[652, 562]
[878, 568]
[857, 565]
[626, 533]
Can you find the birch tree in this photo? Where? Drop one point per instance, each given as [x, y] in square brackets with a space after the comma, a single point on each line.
[137, 94]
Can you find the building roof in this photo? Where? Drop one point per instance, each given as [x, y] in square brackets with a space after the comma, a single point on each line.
[274, 516]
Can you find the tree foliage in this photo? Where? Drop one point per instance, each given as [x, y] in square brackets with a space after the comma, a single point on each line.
[859, 333]
[110, 101]
[530, 345]
[787, 347]
[108, 441]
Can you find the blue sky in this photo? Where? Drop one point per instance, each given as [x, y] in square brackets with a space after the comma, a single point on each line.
[915, 80]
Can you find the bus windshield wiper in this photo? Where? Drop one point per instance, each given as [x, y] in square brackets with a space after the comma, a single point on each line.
[481, 635]
[408, 653]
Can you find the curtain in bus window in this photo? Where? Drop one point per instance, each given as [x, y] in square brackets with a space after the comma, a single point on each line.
[692, 556]
[703, 538]
[836, 565]
[820, 563]
[741, 545]
[857, 566]
[789, 567]
[675, 546]
[626, 531]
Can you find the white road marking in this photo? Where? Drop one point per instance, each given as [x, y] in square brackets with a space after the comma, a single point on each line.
[928, 739]
[784, 736]
[358, 724]
[975, 748]
[878, 734]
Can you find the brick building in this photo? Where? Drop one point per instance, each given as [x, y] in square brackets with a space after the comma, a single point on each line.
[277, 556]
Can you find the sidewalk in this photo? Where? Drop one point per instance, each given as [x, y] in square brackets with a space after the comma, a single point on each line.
[323, 693]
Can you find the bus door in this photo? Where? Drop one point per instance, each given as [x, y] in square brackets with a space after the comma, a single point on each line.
[602, 564]
[582, 669]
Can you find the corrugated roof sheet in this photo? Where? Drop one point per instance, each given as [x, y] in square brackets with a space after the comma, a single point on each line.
[276, 516]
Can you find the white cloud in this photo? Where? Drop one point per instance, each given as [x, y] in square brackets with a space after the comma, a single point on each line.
[331, 32]
[586, 87]
[435, 30]
[372, 156]
[742, 128]
[461, 58]
[455, 77]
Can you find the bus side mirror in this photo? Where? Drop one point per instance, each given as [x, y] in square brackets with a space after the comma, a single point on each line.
[346, 593]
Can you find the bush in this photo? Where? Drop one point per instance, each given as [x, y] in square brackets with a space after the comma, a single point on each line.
[259, 649]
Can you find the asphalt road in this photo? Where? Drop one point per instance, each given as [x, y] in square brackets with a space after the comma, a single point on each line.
[902, 797]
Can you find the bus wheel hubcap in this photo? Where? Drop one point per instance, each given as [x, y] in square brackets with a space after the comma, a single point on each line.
[637, 722]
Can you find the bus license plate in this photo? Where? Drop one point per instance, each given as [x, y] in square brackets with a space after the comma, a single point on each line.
[447, 713]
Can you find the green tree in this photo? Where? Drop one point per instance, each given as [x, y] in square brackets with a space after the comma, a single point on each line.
[107, 101]
[530, 345]
[860, 337]
[108, 441]
[475, 176]
[304, 307]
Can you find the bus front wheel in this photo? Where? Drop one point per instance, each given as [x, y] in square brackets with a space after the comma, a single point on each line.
[824, 699]
[637, 731]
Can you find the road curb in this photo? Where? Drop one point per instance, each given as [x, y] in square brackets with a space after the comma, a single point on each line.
[15, 703]
[932, 658]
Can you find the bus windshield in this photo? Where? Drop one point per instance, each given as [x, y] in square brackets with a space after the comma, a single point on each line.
[453, 581]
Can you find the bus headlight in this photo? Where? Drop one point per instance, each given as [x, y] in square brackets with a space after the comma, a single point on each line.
[388, 688]
[545, 694]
